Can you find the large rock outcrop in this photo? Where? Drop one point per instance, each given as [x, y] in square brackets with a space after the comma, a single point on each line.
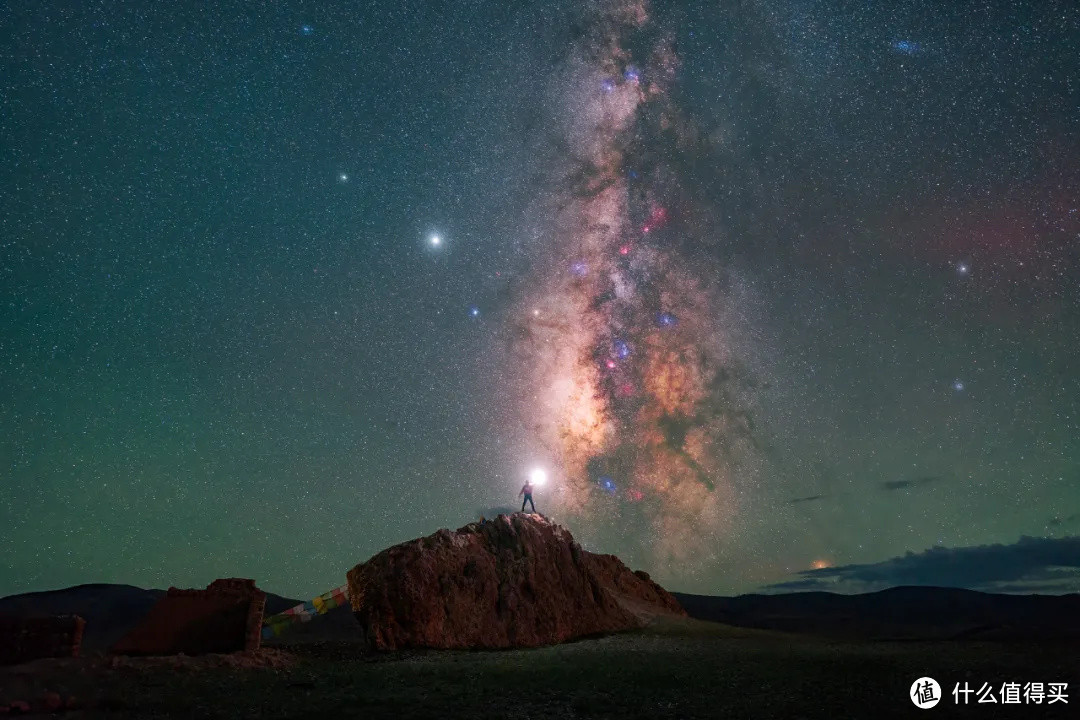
[516, 581]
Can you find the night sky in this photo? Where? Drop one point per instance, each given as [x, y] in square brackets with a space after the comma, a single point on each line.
[779, 294]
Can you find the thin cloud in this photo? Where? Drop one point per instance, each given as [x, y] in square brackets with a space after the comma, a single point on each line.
[911, 482]
[1067, 520]
[808, 498]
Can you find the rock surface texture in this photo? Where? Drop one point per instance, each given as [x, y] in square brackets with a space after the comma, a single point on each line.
[516, 581]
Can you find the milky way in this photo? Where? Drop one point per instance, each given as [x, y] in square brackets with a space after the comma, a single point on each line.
[766, 287]
[627, 373]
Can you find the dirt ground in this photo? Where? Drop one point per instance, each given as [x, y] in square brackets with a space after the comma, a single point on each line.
[673, 669]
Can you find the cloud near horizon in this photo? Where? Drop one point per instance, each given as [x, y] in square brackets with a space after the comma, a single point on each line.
[1045, 565]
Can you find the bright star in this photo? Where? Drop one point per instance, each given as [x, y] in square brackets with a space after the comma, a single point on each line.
[963, 268]
[537, 476]
[474, 311]
[435, 241]
[343, 178]
[306, 30]
[958, 385]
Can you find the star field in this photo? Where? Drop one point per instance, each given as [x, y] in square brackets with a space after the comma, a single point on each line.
[763, 288]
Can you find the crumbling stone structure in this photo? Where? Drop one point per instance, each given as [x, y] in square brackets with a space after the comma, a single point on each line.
[26, 639]
[225, 617]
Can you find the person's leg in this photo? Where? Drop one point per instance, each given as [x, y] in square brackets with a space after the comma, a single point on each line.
[523, 503]
[532, 504]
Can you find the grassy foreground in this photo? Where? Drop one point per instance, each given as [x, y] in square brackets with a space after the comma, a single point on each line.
[674, 669]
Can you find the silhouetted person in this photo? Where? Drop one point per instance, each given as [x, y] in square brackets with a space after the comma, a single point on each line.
[526, 490]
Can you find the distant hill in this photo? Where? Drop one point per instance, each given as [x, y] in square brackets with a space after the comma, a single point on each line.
[914, 613]
[922, 613]
[109, 610]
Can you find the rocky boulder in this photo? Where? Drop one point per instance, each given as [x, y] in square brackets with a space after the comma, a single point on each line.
[516, 581]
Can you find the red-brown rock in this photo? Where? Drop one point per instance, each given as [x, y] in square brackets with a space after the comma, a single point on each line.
[51, 702]
[516, 581]
[225, 617]
[635, 590]
[25, 639]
